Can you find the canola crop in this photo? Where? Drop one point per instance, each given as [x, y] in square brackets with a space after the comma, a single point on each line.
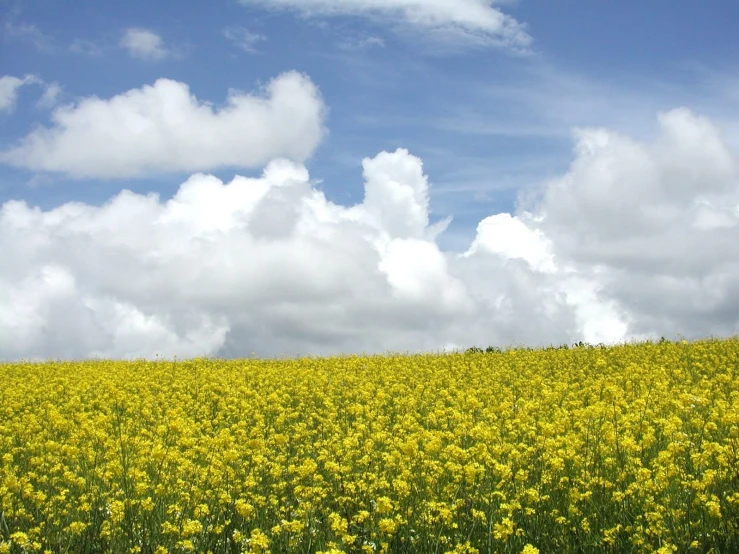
[632, 448]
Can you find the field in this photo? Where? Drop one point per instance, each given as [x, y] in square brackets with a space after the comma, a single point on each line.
[632, 448]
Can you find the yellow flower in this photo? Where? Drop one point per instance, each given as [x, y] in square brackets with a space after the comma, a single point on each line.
[384, 505]
[201, 510]
[244, 509]
[350, 450]
[77, 527]
[117, 511]
[20, 538]
[338, 524]
[479, 515]
[258, 541]
[504, 529]
[713, 508]
[361, 516]
[185, 545]
[387, 526]
[465, 548]
[191, 527]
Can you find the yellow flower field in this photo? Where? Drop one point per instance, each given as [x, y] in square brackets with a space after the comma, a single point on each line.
[632, 448]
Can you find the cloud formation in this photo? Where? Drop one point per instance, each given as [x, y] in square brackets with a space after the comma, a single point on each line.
[243, 39]
[50, 97]
[163, 128]
[474, 22]
[145, 44]
[86, 48]
[659, 221]
[635, 241]
[27, 33]
[9, 87]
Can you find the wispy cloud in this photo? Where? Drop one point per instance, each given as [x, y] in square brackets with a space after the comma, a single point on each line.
[538, 101]
[9, 86]
[361, 43]
[86, 48]
[454, 22]
[28, 33]
[243, 38]
[50, 97]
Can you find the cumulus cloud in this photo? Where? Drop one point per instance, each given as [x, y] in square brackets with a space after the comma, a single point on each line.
[468, 21]
[145, 44]
[265, 265]
[660, 221]
[635, 241]
[164, 128]
[9, 87]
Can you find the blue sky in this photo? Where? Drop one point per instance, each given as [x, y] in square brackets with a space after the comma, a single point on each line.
[489, 120]
[458, 108]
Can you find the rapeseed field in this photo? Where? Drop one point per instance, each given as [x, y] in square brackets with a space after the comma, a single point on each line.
[631, 448]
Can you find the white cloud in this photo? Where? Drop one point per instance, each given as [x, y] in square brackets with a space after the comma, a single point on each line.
[264, 265]
[162, 127]
[9, 86]
[510, 237]
[145, 45]
[474, 22]
[658, 221]
[243, 38]
[50, 96]
[634, 241]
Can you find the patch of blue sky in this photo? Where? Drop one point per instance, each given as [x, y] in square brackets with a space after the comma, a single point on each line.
[486, 122]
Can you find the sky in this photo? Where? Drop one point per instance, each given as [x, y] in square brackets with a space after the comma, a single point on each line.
[317, 177]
